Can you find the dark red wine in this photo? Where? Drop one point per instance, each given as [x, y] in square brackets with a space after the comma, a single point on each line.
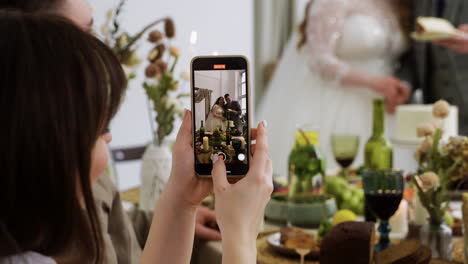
[345, 162]
[383, 205]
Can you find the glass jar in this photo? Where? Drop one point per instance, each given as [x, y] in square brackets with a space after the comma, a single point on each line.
[438, 237]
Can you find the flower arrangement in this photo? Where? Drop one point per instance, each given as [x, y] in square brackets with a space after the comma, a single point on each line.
[160, 84]
[436, 170]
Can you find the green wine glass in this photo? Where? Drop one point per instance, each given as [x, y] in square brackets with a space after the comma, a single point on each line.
[383, 193]
[345, 148]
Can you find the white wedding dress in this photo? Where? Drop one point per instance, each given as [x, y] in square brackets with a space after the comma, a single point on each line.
[343, 36]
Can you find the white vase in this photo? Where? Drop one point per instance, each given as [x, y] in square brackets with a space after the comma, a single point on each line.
[155, 172]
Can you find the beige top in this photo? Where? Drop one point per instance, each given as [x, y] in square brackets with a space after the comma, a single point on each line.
[121, 244]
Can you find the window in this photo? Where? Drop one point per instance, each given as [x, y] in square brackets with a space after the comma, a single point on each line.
[243, 92]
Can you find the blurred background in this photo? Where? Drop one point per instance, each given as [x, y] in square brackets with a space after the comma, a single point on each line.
[256, 29]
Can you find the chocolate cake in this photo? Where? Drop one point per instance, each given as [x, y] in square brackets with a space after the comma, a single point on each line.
[348, 241]
[407, 252]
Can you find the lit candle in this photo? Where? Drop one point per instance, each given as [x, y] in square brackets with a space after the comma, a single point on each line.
[242, 143]
[193, 43]
[206, 145]
[420, 214]
[399, 221]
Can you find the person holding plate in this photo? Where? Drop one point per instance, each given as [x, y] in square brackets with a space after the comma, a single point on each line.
[439, 67]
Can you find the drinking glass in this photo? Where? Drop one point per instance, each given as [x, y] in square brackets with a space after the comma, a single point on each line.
[345, 148]
[383, 193]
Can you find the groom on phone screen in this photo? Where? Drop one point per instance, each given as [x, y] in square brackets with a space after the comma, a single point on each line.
[233, 110]
[440, 68]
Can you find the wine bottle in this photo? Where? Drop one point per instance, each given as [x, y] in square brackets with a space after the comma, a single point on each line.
[228, 133]
[378, 152]
[202, 132]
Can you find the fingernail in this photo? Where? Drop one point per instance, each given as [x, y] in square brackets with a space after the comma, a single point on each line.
[186, 113]
[265, 124]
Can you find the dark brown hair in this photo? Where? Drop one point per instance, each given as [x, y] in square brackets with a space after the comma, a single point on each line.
[401, 7]
[31, 5]
[59, 89]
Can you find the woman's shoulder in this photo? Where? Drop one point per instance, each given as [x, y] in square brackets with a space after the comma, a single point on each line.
[29, 257]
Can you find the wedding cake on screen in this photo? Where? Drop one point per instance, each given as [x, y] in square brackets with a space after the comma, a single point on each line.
[409, 117]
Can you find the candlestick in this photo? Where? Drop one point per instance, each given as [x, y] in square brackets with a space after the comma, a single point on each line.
[399, 221]
[242, 140]
[206, 145]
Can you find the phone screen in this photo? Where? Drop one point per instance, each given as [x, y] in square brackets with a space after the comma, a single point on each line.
[220, 95]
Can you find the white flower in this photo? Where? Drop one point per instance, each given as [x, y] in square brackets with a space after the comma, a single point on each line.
[426, 129]
[428, 180]
[185, 75]
[441, 109]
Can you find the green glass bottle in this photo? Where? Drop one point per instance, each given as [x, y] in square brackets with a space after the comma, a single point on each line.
[378, 151]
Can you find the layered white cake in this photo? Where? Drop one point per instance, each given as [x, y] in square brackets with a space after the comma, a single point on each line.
[409, 117]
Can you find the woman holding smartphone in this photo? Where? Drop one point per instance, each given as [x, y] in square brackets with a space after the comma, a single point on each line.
[60, 87]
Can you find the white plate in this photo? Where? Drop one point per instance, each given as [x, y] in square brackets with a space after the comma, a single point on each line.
[430, 37]
[274, 242]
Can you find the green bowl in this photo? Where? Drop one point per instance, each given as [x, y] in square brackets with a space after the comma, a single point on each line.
[277, 211]
[310, 215]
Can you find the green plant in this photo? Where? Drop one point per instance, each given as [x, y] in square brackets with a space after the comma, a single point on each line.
[305, 162]
[160, 84]
[436, 167]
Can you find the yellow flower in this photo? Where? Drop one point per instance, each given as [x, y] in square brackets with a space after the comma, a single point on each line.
[428, 180]
[174, 51]
[110, 13]
[441, 109]
[185, 76]
[153, 56]
[123, 40]
[426, 129]
[104, 30]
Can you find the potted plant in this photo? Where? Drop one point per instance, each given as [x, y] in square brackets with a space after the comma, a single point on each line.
[161, 86]
[308, 204]
[437, 170]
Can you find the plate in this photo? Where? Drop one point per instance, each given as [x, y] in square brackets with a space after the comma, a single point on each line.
[275, 243]
[430, 37]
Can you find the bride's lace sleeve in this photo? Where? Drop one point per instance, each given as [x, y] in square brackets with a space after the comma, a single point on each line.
[324, 26]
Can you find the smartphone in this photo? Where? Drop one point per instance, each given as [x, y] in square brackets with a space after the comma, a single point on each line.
[221, 114]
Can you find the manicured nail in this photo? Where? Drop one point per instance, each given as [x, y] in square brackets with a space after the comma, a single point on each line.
[265, 124]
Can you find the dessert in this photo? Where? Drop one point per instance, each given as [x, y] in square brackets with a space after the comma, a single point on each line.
[348, 241]
[409, 117]
[407, 252]
[433, 28]
[295, 238]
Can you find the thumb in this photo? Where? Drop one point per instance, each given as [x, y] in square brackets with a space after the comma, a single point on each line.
[219, 176]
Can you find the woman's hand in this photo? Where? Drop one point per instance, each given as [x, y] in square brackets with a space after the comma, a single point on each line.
[240, 207]
[184, 187]
[395, 91]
